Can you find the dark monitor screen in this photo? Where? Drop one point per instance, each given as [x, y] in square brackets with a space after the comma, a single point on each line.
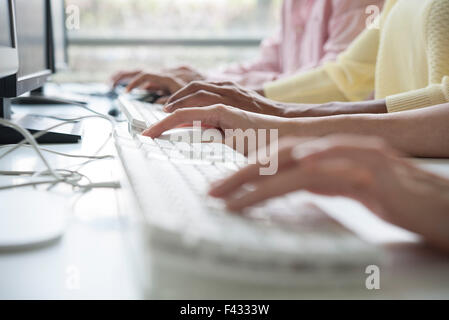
[8, 53]
[31, 37]
[5, 33]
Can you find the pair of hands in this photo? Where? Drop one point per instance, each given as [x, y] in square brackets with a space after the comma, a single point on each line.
[223, 118]
[187, 88]
[167, 82]
[223, 106]
[208, 102]
[362, 168]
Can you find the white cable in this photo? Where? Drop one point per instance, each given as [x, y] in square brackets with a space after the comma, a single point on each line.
[81, 165]
[43, 132]
[86, 187]
[62, 172]
[71, 177]
[30, 139]
[67, 172]
[28, 184]
[74, 120]
[49, 117]
[107, 156]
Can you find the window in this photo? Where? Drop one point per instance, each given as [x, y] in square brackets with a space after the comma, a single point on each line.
[155, 34]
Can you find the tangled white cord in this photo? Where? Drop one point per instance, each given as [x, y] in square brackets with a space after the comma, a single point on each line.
[70, 177]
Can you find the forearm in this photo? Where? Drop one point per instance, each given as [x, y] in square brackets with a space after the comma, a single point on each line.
[333, 108]
[421, 133]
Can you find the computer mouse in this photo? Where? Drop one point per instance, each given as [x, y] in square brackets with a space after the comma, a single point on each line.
[114, 112]
[150, 97]
[144, 95]
[39, 220]
[123, 83]
[111, 94]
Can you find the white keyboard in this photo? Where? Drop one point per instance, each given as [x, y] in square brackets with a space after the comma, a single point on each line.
[173, 150]
[140, 115]
[170, 187]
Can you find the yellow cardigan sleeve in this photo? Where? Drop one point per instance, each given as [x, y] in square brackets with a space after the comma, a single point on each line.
[437, 47]
[349, 78]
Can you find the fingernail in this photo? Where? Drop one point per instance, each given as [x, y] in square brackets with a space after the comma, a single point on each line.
[213, 192]
[213, 189]
[167, 108]
[217, 183]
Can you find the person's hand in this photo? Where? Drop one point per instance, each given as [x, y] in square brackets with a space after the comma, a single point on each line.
[186, 73]
[165, 82]
[232, 121]
[168, 81]
[200, 94]
[162, 82]
[122, 76]
[361, 168]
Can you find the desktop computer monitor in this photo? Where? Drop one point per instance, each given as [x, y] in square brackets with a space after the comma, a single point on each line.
[33, 38]
[19, 229]
[9, 63]
[59, 35]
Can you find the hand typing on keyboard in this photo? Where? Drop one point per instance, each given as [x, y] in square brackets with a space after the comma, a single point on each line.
[311, 170]
[221, 117]
[169, 80]
[361, 168]
[170, 181]
[228, 93]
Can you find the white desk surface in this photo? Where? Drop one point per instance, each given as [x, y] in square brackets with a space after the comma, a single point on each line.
[90, 261]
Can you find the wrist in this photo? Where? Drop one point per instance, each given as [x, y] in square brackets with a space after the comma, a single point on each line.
[280, 110]
[260, 91]
[310, 110]
[295, 110]
[296, 127]
[272, 108]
